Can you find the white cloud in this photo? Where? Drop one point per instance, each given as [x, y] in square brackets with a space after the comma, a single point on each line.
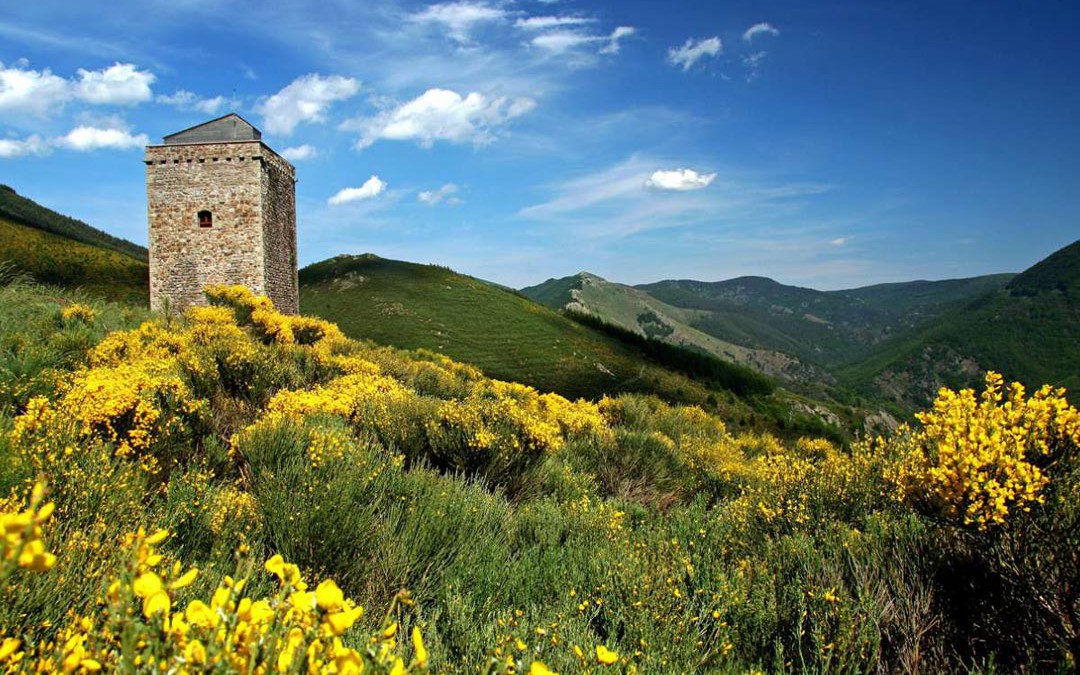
[181, 98]
[300, 153]
[679, 180]
[371, 188]
[186, 100]
[39, 92]
[616, 35]
[691, 52]
[31, 92]
[432, 197]
[561, 41]
[442, 115]
[119, 84]
[549, 22]
[840, 241]
[32, 145]
[762, 28]
[458, 17]
[211, 106]
[86, 138]
[305, 99]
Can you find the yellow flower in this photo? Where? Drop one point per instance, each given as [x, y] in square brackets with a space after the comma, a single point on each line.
[91, 665]
[342, 621]
[35, 558]
[186, 580]
[418, 647]
[158, 603]
[605, 656]
[147, 584]
[328, 596]
[8, 647]
[276, 566]
[538, 668]
[195, 652]
[157, 537]
[302, 601]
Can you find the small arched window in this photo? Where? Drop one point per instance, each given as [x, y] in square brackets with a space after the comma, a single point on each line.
[205, 219]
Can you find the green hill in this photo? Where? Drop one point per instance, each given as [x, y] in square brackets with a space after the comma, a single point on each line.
[636, 310]
[57, 260]
[18, 209]
[1029, 330]
[506, 335]
[58, 250]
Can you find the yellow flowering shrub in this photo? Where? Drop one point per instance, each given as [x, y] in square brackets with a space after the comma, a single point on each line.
[21, 544]
[233, 510]
[130, 405]
[77, 313]
[274, 326]
[978, 459]
[147, 626]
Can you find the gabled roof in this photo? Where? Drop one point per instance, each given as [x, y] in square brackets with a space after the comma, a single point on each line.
[229, 127]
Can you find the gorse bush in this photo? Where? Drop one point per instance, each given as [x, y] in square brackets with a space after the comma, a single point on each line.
[488, 527]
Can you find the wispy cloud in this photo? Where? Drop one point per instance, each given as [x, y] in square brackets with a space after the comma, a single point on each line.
[441, 115]
[619, 201]
[549, 22]
[693, 51]
[757, 29]
[458, 18]
[564, 41]
[446, 192]
[182, 99]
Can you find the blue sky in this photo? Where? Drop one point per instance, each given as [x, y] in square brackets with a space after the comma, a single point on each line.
[826, 144]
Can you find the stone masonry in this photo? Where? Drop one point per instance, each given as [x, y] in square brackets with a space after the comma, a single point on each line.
[249, 237]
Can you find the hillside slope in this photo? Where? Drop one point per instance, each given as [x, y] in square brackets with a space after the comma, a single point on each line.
[18, 209]
[828, 328]
[53, 259]
[506, 335]
[636, 310]
[1029, 330]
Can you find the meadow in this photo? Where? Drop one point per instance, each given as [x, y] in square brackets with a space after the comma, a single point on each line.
[239, 490]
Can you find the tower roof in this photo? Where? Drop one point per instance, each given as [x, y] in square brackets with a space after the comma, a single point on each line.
[229, 127]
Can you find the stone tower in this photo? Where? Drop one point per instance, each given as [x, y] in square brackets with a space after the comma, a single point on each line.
[222, 210]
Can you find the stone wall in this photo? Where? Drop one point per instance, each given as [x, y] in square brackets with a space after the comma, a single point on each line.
[279, 233]
[238, 183]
